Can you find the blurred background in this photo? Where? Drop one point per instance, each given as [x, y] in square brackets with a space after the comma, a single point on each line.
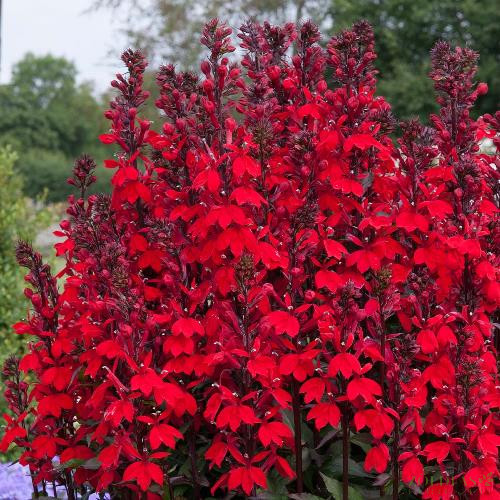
[58, 56]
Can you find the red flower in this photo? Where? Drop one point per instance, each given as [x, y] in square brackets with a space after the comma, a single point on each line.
[438, 491]
[144, 473]
[324, 414]
[54, 404]
[246, 478]
[377, 458]
[275, 432]
[363, 387]
[438, 450]
[299, 365]
[234, 416]
[413, 471]
[346, 363]
[378, 422]
[10, 436]
[314, 388]
[283, 322]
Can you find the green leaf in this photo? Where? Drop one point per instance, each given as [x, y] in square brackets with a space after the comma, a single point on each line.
[354, 494]
[362, 440]
[307, 435]
[276, 485]
[70, 464]
[334, 468]
[91, 464]
[328, 437]
[265, 495]
[335, 488]
[304, 496]
[288, 418]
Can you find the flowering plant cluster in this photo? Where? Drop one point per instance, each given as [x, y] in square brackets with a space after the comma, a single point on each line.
[276, 292]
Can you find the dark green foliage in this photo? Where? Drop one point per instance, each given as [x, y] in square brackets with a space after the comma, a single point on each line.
[49, 119]
[48, 170]
[19, 219]
[171, 29]
[405, 31]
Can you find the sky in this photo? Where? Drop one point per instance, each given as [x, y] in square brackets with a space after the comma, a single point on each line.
[62, 28]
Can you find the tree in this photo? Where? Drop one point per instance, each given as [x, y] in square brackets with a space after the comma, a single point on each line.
[43, 103]
[169, 29]
[406, 30]
[48, 118]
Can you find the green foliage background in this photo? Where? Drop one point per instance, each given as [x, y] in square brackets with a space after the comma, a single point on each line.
[405, 32]
[49, 120]
[19, 218]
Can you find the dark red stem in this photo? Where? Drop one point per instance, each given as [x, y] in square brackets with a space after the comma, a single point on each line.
[395, 465]
[345, 455]
[194, 470]
[298, 436]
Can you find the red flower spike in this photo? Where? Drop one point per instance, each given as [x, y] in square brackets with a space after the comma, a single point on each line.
[413, 471]
[377, 459]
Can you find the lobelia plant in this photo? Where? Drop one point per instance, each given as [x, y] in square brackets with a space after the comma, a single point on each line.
[275, 291]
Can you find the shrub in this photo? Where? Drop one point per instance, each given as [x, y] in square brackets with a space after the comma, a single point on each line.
[48, 118]
[274, 291]
[16, 222]
[46, 171]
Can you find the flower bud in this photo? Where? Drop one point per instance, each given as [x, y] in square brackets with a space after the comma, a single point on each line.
[209, 106]
[322, 86]
[180, 123]
[205, 67]
[352, 103]
[288, 84]
[168, 128]
[482, 88]
[208, 86]
[230, 124]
